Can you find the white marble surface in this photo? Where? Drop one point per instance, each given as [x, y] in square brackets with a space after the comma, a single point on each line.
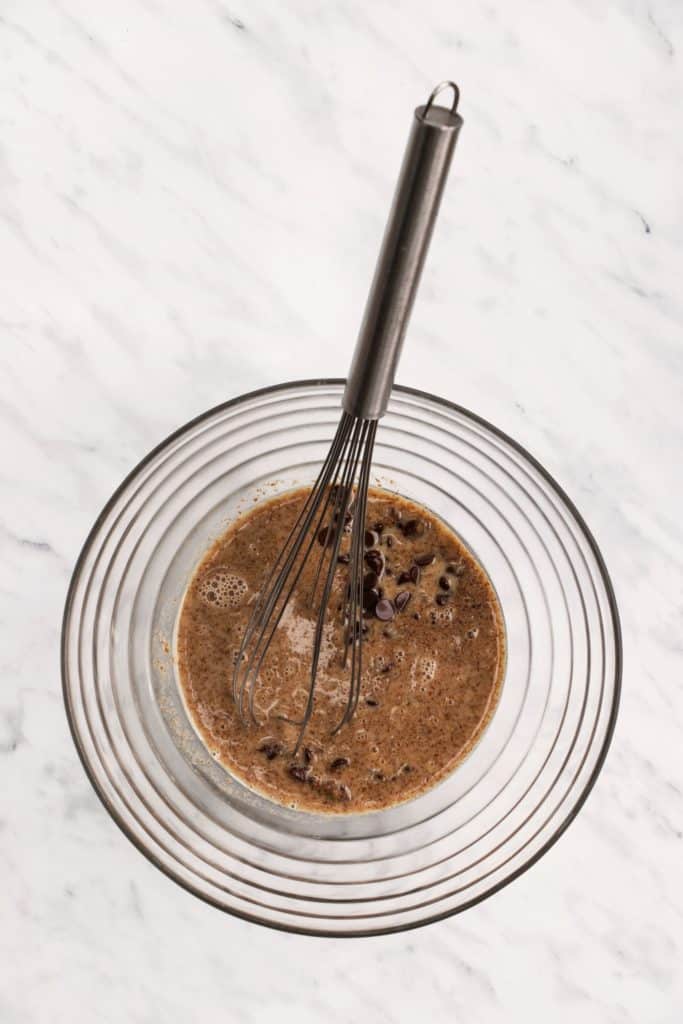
[191, 201]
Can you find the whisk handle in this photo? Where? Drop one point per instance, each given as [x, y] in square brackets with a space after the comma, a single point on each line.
[406, 239]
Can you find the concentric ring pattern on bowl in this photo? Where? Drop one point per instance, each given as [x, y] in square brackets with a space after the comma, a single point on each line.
[355, 874]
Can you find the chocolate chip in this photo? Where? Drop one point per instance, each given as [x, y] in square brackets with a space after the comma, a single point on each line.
[335, 790]
[324, 536]
[338, 763]
[424, 560]
[444, 583]
[371, 702]
[370, 600]
[385, 610]
[442, 599]
[455, 569]
[370, 580]
[308, 755]
[378, 528]
[414, 528]
[375, 561]
[415, 574]
[300, 772]
[401, 599]
[371, 538]
[404, 577]
[271, 749]
[388, 571]
[329, 788]
[343, 559]
[416, 615]
[377, 775]
[386, 668]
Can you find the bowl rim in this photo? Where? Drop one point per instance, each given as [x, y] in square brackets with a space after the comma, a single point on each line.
[411, 925]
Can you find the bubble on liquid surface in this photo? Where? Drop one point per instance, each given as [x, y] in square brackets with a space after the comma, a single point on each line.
[423, 670]
[380, 663]
[441, 616]
[222, 589]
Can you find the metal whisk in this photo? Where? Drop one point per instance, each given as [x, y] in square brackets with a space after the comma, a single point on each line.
[339, 496]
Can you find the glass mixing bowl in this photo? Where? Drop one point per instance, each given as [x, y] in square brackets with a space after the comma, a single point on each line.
[496, 814]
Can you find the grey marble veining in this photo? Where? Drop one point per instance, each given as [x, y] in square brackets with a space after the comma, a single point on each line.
[191, 202]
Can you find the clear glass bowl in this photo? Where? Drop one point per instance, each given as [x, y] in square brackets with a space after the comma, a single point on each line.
[497, 813]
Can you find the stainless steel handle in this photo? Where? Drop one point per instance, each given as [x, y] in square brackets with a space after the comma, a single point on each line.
[404, 247]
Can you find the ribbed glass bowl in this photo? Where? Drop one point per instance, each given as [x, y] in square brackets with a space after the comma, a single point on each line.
[361, 874]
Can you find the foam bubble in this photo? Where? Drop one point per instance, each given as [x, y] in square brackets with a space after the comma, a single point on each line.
[441, 616]
[222, 589]
[380, 662]
[423, 670]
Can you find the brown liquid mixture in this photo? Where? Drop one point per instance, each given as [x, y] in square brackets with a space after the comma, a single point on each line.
[433, 660]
